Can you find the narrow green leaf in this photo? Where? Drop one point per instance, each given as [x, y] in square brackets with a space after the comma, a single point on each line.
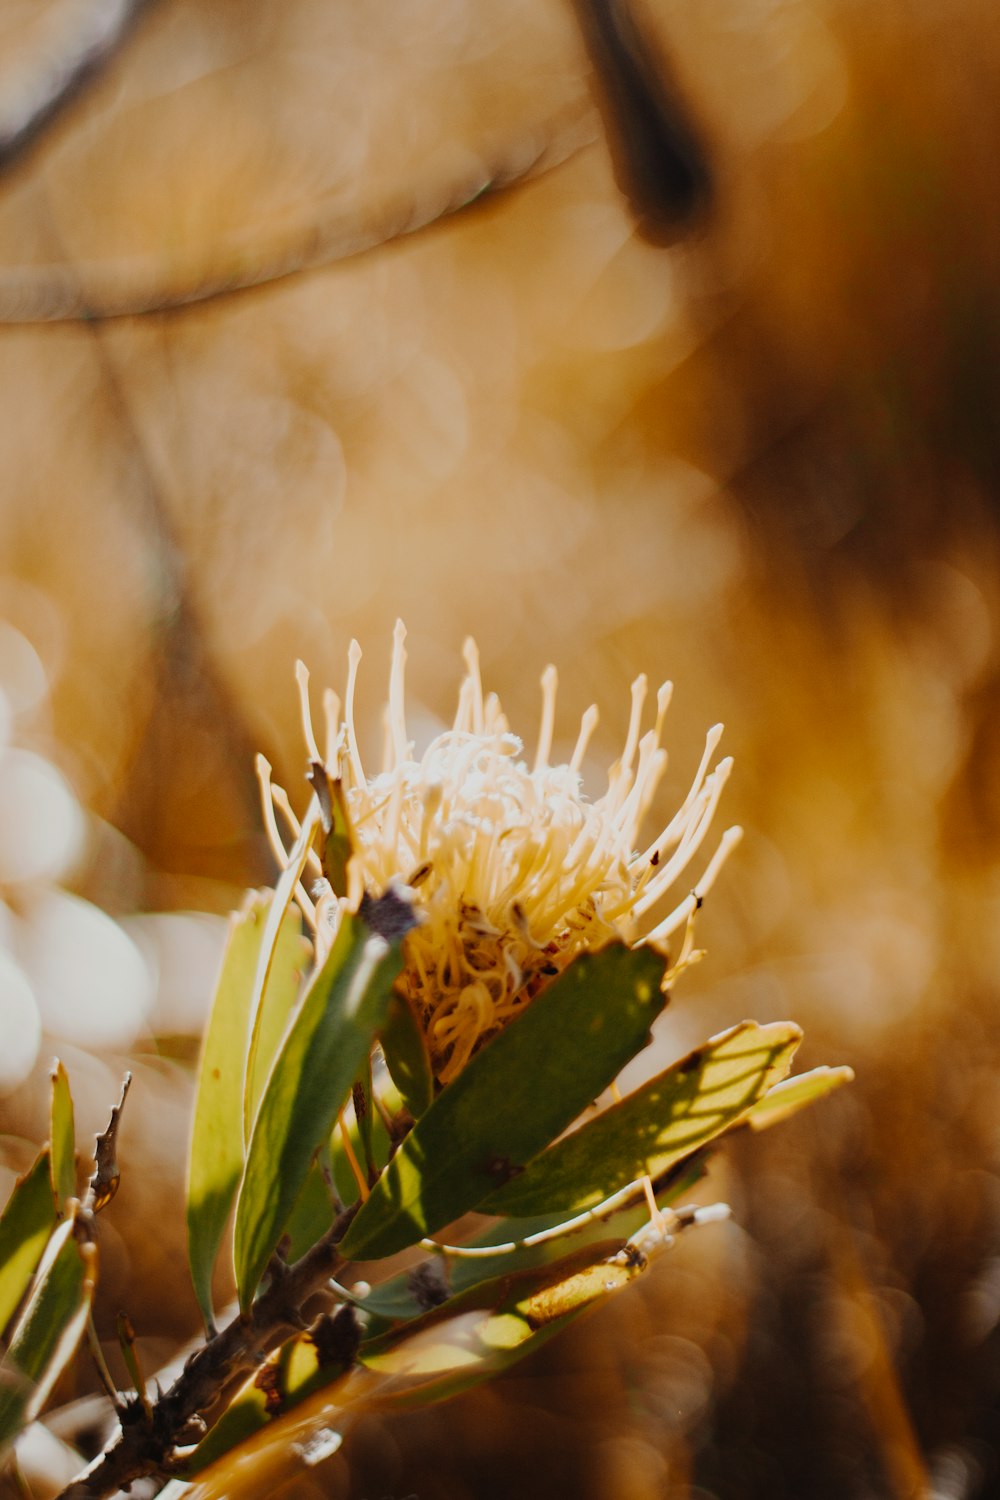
[660, 1123]
[792, 1095]
[62, 1159]
[467, 1340]
[409, 1294]
[216, 1158]
[314, 1209]
[320, 1057]
[364, 1111]
[281, 904]
[407, 1058]
[27, 1221]
[513, 1098]
[480, 1332]
[48, 1331]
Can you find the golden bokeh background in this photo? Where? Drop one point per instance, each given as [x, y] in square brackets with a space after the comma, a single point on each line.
[763, 461]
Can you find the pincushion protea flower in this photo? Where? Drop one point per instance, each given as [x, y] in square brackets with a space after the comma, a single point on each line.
[514, 869]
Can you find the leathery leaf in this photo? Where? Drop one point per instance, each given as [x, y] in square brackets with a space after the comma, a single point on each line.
[320, 1056]
[665, 1120]
[513, 1098]
[25, 1225]
[216, 1154]
[47, 1332]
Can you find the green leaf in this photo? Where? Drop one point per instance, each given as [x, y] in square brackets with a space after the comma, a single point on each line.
[482, 1331]
[62, 1159]
[281, 903]
[27, 1221]
[405, 1296]
[660, 1123]
[313, 1212]
[407, 1058]
[216, 1158]
[319, 1059]
[513, 1098]
[48, 1331]
[792, 1095]
[467, 1340]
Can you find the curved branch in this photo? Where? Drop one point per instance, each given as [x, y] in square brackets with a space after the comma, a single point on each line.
[143, 1446]
[44, 295]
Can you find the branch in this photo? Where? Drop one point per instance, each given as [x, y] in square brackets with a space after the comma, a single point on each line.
[125, 289]
[143, 1446]
[61, 75]
[659, 161]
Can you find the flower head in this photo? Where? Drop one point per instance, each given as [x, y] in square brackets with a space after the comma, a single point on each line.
[514, 869]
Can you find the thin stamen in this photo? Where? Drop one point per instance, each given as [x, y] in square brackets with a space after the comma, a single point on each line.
[550, 681]
[353, 662]
[470, 653]
[302, 679]
[588, 724]
[397, 715]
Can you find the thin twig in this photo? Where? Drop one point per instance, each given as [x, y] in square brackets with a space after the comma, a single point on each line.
[145, 1446]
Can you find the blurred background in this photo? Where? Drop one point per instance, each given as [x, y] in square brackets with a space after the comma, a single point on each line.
[318, 314]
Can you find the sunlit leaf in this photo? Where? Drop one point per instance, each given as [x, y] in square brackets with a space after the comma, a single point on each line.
[412, 1292]
[63, 1138]
[660, 1123]
[468, 1339]
[281, 902]
[216, 1158]
[319, 1059]
[46, 1334]
[25, 1225]
[794, 1093]
[407, 1058]
[513, 1098]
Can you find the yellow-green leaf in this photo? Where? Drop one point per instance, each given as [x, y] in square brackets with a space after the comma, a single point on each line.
[319, 1059]
[513, 1098]
[62, 1158]
[468, 1339]
[660, 1123]
[216, 1157]
[25, 1225]
[47, 1332]
[794, 1093]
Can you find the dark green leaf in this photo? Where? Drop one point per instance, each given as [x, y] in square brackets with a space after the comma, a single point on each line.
[63, 1138]
[216, 1158]
[657, 1125]
[407, 1058]
[513, 1098]
[319, 1059]
[27, 1221]
[48, 1330]
[314, 1209]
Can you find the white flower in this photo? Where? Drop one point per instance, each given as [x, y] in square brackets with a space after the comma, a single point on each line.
[514, 869]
